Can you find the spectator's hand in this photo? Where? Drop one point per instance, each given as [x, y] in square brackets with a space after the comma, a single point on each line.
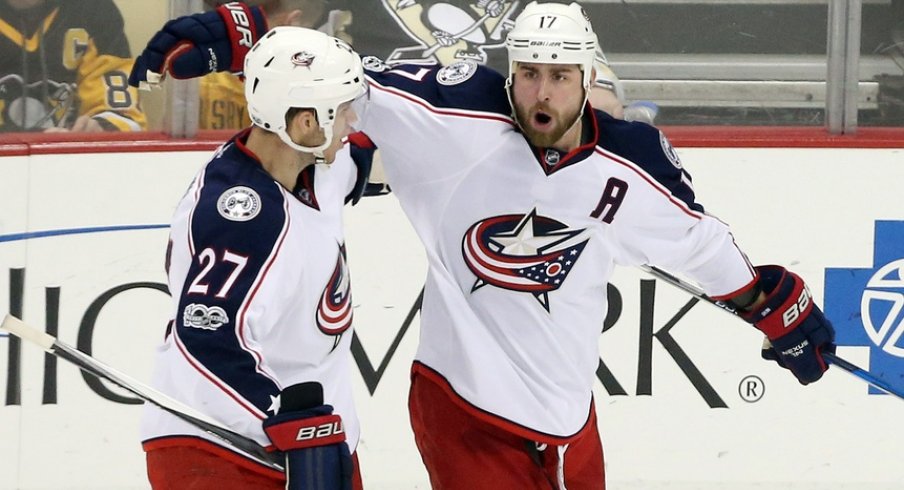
[84, 124]
[195, 45]
[641, 111]
[796, 328]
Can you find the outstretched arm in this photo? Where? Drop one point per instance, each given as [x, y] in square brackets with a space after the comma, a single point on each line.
[195, 45]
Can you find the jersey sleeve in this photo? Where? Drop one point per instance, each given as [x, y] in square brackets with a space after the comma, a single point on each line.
[409, 100]
[103, 73]
[664, 225]
[236, 233]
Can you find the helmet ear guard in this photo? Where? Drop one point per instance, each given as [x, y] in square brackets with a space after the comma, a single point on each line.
[294, 67]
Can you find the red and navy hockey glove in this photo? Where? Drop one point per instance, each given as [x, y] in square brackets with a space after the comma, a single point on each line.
[362, 150]
[796, 328]
[195, 45]
[313, 440]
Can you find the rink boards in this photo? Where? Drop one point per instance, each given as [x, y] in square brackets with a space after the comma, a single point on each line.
[684, 403]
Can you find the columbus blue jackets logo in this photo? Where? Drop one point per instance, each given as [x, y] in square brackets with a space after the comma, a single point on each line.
[334, 311]
[526, 253]
[451, 30]
[866, 304]
[303, 58]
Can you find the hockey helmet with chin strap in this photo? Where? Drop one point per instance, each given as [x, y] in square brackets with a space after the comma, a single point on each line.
[552, 33]
[293, 67]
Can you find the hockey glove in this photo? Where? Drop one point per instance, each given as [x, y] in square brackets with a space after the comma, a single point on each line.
[195, 45]
[362, 150]
[796, 328]
[313, 440]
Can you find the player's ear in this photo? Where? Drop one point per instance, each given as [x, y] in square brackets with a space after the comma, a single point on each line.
[303, 126]
[303, 120]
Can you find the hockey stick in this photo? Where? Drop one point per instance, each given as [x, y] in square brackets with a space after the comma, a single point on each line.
[91, 365]
[830, 357]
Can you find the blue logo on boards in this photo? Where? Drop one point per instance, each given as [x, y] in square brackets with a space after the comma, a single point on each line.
[866, 305]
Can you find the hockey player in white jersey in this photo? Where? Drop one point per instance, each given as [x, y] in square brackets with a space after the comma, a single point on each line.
[532, 202]
[261, 325]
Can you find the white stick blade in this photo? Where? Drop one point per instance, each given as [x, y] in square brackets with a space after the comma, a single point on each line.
[18, 328]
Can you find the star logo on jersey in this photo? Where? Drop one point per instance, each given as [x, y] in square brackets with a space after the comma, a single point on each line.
[334, 311]
[866, 305]
[526, 253]
[275, 404]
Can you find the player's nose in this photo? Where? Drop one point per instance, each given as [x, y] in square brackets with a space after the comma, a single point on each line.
[544, 89]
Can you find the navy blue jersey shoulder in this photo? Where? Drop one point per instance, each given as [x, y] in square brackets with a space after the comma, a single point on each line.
[645, 146]
[212, 224]
[460, 85]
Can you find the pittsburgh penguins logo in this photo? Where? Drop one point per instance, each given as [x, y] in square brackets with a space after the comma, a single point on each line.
[451, 30]
[21, 106]
[526, 253]
[334, 311]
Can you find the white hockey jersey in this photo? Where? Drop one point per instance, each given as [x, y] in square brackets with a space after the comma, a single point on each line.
[521, 241]
[261, 296]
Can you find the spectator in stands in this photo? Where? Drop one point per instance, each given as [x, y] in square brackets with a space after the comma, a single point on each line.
[64, 66]
[222, 97]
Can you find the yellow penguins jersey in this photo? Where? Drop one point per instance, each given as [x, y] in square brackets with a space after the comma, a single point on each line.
[64, 59]
[223, 102]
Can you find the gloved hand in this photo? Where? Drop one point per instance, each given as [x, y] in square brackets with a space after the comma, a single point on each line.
[313, 440]
[195, 45]
[797, 331]
[362, 150]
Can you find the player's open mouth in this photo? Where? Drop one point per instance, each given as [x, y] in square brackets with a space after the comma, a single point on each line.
[542, 119]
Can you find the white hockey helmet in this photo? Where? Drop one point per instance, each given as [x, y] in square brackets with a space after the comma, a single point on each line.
[297, 67]
[552, 33]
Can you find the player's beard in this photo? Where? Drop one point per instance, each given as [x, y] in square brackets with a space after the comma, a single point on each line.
[545, 139]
